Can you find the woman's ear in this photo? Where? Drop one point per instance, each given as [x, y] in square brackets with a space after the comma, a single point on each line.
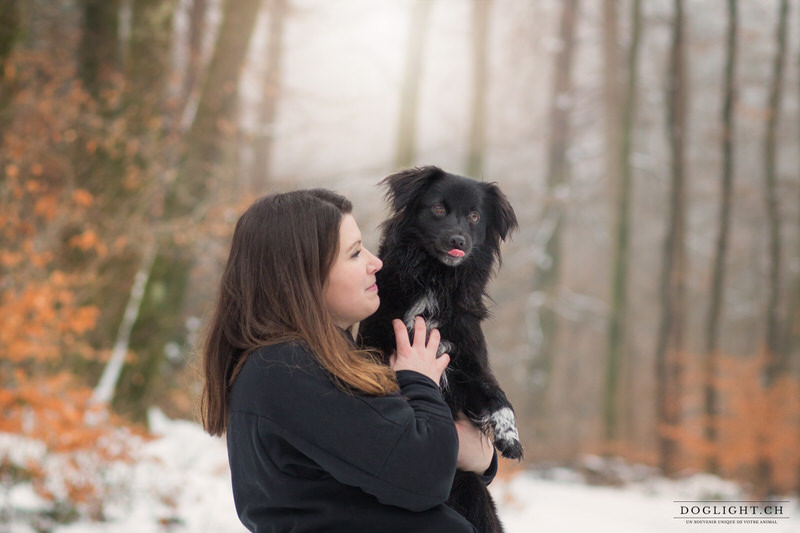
[405, 186]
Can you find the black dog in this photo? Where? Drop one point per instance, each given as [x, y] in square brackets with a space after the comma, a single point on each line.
[439, 247]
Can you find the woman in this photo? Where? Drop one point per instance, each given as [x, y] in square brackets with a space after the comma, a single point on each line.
[322, 436]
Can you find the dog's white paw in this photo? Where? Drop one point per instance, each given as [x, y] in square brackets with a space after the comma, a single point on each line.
[506, 436]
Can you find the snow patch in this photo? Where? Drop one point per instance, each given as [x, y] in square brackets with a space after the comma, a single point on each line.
[180, 483]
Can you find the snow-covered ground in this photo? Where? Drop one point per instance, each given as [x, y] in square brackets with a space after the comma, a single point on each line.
[180, 484]
[530, 504]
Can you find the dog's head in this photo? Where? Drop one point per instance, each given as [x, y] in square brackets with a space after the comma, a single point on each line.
[452, 216]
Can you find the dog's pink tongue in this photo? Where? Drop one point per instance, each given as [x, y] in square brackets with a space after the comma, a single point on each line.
[455, 252]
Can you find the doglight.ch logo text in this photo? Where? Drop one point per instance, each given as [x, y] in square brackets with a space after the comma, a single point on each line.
[759, 512]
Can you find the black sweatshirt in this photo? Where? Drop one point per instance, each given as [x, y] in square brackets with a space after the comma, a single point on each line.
[306, 456]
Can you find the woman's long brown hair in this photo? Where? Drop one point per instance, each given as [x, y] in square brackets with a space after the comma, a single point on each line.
[282, 250]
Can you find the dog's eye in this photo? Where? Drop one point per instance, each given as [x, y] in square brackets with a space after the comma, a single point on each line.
[439, 210]
[474, 217]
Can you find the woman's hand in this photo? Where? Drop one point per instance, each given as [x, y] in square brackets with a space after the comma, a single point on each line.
[419, 356]
[475, 451]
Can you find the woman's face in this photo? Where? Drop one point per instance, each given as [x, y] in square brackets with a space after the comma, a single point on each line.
[350, 292]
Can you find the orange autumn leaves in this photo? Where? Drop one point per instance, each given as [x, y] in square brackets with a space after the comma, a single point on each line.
[755, 424]
[68, 458]
[41, 320]
[40, 304]
[52, 245]
[46, 318]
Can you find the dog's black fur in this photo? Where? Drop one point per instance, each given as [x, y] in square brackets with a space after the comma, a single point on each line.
[433, 213]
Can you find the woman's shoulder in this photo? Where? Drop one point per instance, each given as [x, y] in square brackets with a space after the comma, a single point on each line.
[272, 370]
[282, 350]
[293, 354]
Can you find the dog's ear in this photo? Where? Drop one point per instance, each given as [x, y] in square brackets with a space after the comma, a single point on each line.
[504, 220]
[405, 186]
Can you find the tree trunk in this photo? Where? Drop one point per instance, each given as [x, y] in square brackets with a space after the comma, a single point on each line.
[9, 32]
[412, 77]
[548, 267]
[148, 61]
[159, 329]
[773, 337]
[621, 258]
[477, 130]
[206, 143]
[794, 324]
[106, 387]
[263, 141]
[670, 348]
[711, 395]
[99, 49]
[99, 68]
[147, 70]
[197, 30]
[612, 97]
[773, 346]
[9, 28]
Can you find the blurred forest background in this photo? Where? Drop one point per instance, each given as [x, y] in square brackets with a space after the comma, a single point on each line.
[648, 308]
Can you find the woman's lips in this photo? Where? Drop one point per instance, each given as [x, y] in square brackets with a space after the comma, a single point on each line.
[373, 288]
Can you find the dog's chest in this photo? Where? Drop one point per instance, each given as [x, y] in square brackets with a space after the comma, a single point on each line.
[435, 312]
[427, 305]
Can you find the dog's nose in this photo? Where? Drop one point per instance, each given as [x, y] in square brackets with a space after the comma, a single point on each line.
[457, 241]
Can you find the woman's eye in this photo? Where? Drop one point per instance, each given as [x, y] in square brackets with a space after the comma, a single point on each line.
[439, 210]
[356, 254]
[474, 217]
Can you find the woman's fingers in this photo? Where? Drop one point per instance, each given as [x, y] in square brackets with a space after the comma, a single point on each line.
[443, 361]
[419, 332]
[401, 336]
[434, 339]
[418, 354]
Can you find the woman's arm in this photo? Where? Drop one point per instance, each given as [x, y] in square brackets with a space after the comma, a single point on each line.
[400, 448]
[475, 450]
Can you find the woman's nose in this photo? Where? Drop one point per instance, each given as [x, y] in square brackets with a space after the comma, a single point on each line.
[375, 264]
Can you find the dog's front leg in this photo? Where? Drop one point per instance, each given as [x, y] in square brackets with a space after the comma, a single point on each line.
[498, 417]
[506, 436]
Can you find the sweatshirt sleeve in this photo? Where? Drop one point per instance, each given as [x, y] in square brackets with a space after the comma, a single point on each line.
[400, 448]
[491, 472]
